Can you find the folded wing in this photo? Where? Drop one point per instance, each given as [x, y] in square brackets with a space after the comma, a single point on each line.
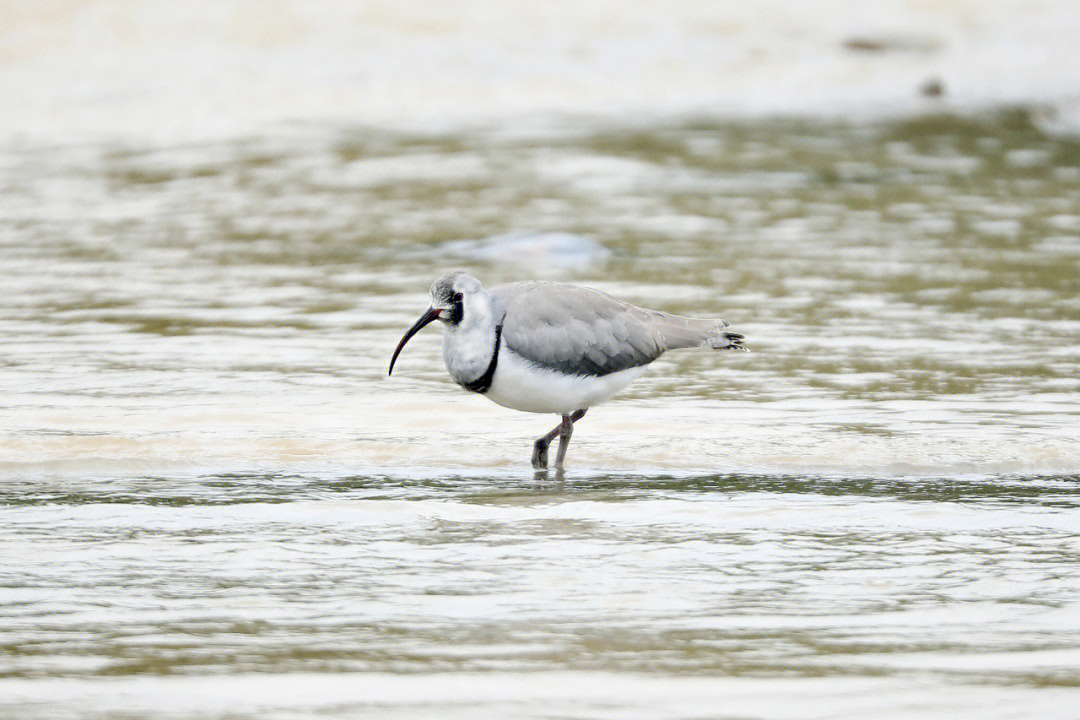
[581, 331]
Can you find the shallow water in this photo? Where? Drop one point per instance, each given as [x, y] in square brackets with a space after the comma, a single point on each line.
[215, 504]
[784, 596]
[911, 293]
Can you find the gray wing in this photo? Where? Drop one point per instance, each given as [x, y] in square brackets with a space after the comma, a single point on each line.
[578, 330]
[574, 330]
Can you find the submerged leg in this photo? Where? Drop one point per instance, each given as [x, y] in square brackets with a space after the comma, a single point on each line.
[540, 447]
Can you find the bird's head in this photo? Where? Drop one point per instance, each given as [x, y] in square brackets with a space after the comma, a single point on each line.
[450, 296]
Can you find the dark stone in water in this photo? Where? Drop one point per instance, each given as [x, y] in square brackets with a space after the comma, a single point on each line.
[893, 43]
[932, 87]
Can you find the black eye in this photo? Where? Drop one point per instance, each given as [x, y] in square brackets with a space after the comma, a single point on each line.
[457, 309]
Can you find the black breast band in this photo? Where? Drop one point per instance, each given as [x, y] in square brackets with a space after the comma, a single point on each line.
[483, 383]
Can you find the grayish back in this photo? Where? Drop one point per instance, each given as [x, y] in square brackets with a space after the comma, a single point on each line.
[581, 331]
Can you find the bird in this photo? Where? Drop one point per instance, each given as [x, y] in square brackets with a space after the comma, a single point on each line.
[550, 347]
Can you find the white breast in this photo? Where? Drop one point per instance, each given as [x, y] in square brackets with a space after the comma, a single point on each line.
[522, 385]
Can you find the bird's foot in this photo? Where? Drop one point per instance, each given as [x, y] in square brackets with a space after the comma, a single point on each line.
[539, 456]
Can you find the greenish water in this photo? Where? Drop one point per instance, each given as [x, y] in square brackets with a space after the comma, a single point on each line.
[213, 503]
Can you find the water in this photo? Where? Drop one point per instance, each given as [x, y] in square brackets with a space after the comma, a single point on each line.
[178, 70]
[215, 504]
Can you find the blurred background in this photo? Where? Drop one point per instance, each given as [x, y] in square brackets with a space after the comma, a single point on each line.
[217, 218]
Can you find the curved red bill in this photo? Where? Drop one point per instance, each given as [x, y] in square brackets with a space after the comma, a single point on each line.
[426, 318]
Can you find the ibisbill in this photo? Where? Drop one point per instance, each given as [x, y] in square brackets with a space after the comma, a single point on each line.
[546, 347]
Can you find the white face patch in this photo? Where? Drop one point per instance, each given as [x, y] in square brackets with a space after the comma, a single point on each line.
[469, 344]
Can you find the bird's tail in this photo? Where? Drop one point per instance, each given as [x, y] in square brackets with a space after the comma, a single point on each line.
[720, 339]
[679, 332]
